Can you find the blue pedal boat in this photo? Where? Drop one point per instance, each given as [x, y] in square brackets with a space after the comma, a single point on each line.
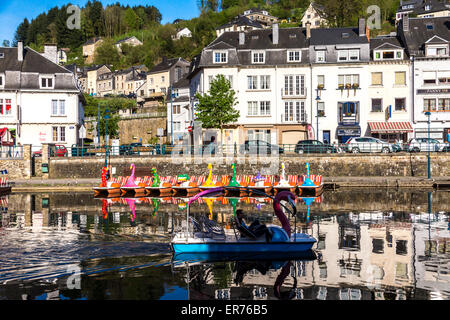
[210, 237]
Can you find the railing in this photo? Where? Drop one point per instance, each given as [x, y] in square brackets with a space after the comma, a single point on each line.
[245, 149]
[294, 92]
[11, 152]
[134, 116]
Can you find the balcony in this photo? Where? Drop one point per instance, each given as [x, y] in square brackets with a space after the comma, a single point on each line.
[294, 118]
[293, 93]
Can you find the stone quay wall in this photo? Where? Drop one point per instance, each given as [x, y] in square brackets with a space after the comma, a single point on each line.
[396, 165]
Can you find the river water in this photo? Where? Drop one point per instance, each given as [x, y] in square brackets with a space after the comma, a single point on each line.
[372, 245]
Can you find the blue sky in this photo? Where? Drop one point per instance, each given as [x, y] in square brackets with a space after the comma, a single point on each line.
[13, 12]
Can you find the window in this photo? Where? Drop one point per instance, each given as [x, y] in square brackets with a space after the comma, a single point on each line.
[348, 80]
[5, 106]
[294, 111]
[348, 55]
[265, 82]
[58, 109]
[258, 57]
[294, 56]
[321, 108]
[252, 108]
[377, 105]
[353, 55]
[59, 134]
[2, 82]
[377, 78]
[400, 104]
[320, 56]
[378, 246]
[252, 82]
[294, 85]
[176, 109]
[176, 126]
[321, 81]
[47, 83]
[400, 78]
[436, 51]
[220, 57]
[388, 54]
[429, 104]
[264, 108]
[444, 104]
[163, 79]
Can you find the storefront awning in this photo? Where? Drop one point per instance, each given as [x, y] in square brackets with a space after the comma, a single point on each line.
[390, 127]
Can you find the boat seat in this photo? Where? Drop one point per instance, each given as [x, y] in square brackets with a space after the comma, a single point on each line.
[243, 231]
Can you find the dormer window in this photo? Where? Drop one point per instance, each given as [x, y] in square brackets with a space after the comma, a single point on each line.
[427, 7]
[388, 55]
[437, 51]
[429, 26]
[220, 57]
[2, 55]
[294, 56]
[46, 82]
[320, 56]
[348, 55]
[258, 56]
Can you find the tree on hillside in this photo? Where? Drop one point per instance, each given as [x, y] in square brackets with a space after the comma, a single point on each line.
[21, 32]
[216, 109]
[107, 54]
[342, 13]
[132, 20]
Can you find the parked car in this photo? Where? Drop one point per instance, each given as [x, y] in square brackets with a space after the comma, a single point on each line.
[125, 149]
[58, 151]
[446, 148]
[424, 144]
[259, 147]
[37, 153]
[314, 146]
[368, 144]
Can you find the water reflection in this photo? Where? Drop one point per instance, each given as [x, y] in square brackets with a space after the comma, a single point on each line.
[371, 245]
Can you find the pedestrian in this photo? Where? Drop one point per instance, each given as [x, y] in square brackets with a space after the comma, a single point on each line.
[212, 145]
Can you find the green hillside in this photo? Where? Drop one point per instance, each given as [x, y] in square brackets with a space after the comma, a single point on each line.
[118, 21]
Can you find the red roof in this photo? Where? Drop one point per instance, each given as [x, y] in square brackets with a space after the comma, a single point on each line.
[390, 127]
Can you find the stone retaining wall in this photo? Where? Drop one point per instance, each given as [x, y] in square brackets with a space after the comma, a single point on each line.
[327, 165]
[18, 168]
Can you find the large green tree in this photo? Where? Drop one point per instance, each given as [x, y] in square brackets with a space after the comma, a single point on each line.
[108, 54]
[216, 108]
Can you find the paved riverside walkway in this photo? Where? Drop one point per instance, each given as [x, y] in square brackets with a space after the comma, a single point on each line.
[37, 184]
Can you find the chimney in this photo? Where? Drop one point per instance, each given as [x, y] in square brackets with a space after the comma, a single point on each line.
[308, 30]
[405, 22]
[362, 27]
[51, 52]
[275, 33]
[20, 51]
[241, 38]
[368, 33]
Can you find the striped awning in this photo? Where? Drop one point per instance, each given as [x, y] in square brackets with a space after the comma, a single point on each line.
[390, 127]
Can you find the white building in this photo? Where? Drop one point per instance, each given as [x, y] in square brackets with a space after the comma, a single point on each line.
[269, 71]
[185, 32]
[179, 111]
[38, 98]
[389, 91]
[339, 59]
[314, 15]
[427, 43]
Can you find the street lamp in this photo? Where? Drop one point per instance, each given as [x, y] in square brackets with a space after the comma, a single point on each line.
[317, 115]
[171, 114]
[106, 117]
[428, 114]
